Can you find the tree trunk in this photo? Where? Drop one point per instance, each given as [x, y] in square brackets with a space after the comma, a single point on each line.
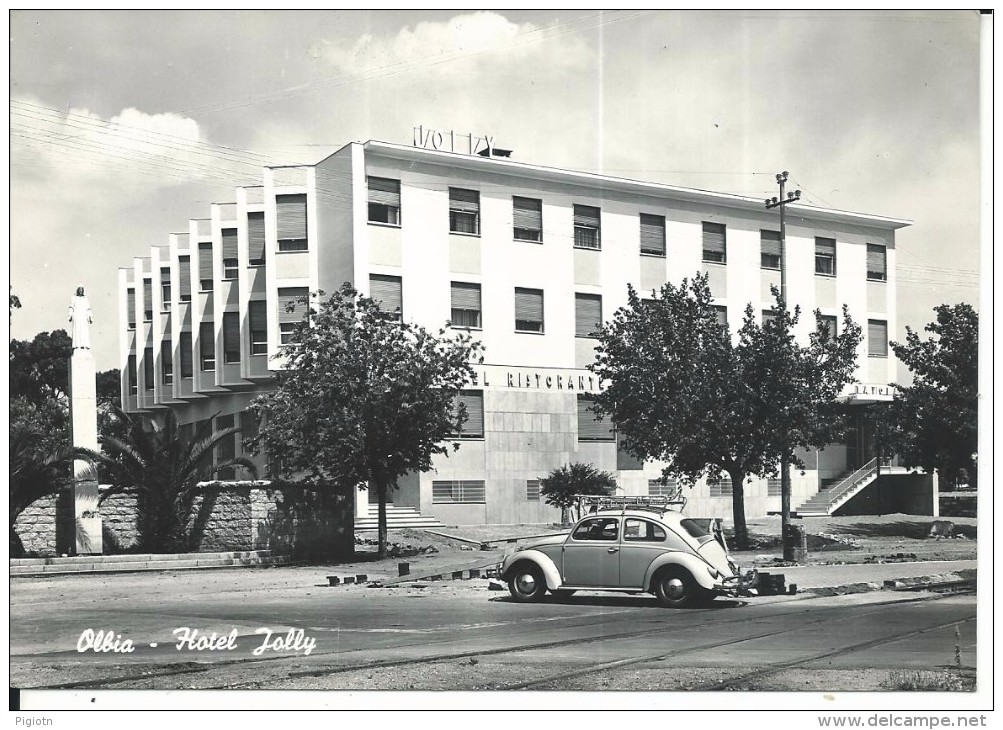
[381, 493]
[738, 510]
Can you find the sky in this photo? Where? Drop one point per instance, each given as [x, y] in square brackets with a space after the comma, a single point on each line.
[125, 124]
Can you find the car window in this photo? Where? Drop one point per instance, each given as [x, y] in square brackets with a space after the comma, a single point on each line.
[599, 528]
[642, 531]
[695, 530]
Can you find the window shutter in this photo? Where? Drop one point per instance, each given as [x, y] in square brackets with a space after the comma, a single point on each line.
[827, 322]
[722, 314]
[291, 212]
[586, 215]
[769, 242]
[473, 400]
[256, 238]
[589, 429]
[207, 340]
[205, 260]
[653, 234]
[527, 213]
[185, 274]
[714, 241]
[386, 290]
[877, 262]
[464, 201]
[257, 317]
[186, 355]
[148, 368]
[529, 305]
[147, 297]
[132, 374]
[229, 243]
[588, 315]
[877, 338]
[825, 246]
[465, 296]
[130, 298]
[295, 295]
[384, 192]
[165, 275]
[231, 336]
[166, 358]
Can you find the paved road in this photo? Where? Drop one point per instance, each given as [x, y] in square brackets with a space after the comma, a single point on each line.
[455, 635]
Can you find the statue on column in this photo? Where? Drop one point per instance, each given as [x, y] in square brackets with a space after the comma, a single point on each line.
[80, 320]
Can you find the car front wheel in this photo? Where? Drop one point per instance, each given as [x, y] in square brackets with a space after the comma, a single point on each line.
[675, 588]
[526, 583]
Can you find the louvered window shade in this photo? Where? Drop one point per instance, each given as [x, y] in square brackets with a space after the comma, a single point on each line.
[877, 338]
[529, 310]
[587, 233]
[130, 303]
[714, 243]
[769, 249]
[827, 323]
[166, 362]
[588, 314]
[165, 275]
[825, 256]
[131, 367]
[207, 345]
[229, 243]
[386, 290]
[653, 234]
[294, 295]
[256, 238]
[257, 319]
[383, 191]
[464, 201]
[527, 218]
[586, 215]
[231, 337]
[185, 278]
[589, 429]
[205, 260]
[186, 355]
[147, 300]
[148, 368]
[291, 213]
[877, 262]
[473, 401]
[465, 304]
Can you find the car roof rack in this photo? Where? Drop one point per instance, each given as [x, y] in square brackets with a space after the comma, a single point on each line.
[595, 502]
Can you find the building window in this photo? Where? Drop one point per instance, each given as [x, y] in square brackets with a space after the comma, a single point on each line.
[768, 315]
[187, 362]
[130, 305]
[185, 278]
[877, 262]
[528, 310]
[166, 363]
[148, 369]
[205, 266]
[769, 250]
[473, 403]
[229, 253]
[587, 227]
[293, 306]
[662, 488]
[877, 338]
[256, 239]
[652, 234]
[532, 490]
[715, 243]
[133, 377]
[257, 320]
[827, 325]
[231, 337]
[825, 256]
[588, 315]
[465, 305]
[591, 428]
[207, 347]
[527, 219]
[773, 488]
[291, 222]
[719, 486]
[464, 211]
[147, 300]
[165, 289]
[388, 293]
[226, 449]
[458, 492]
[721, 312]
[384, 201]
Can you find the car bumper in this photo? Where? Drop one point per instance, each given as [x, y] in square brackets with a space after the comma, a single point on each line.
[739, 585]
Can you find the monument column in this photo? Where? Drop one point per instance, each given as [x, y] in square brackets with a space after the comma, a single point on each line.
[84, 429]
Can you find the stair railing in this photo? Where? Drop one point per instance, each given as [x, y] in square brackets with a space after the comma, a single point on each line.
[838, 491]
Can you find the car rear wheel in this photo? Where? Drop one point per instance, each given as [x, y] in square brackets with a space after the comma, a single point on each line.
[526, 583]
[675, 588]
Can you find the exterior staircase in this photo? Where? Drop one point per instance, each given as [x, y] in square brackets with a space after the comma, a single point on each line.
[836, 492]
[397, 518]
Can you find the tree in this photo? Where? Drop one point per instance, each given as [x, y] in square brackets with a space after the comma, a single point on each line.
[108, 390]
[162, 463]
[562, 485]
[364, 398]
[681, 391]
[933, 423]
[15, 302]
[40, 368]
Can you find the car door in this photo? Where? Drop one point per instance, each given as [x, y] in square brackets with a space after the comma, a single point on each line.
[642, 541]
[591, 553]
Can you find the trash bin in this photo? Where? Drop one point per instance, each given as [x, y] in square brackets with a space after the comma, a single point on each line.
[796, 544]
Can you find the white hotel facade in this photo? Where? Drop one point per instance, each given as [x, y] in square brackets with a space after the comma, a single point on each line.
[530, 259]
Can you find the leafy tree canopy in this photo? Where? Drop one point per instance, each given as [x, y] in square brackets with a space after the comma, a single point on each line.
[681, 390]
[933, 423]
[40, 368]
[364, 398]
[560, 487]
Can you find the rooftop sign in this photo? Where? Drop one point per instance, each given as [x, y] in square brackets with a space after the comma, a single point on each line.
[450, 141]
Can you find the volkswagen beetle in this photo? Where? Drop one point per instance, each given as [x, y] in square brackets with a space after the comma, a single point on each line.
[633, 547]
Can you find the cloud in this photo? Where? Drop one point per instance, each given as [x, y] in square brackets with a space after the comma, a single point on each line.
[453, 46]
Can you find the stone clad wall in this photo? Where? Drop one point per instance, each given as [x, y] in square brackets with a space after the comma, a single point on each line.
[228, 516]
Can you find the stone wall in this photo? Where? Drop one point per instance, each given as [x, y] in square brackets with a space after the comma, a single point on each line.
[227, 516]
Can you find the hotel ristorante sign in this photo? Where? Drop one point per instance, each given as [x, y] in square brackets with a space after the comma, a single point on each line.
[450, 141]
[501, 377]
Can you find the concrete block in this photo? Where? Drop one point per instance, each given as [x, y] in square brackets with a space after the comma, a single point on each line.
[457, 575]
[361, 578]
[349, 579]
[333, 580]
[474, 573]
[403, 569]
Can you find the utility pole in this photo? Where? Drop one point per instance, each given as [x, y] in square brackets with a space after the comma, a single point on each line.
[785, 462]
